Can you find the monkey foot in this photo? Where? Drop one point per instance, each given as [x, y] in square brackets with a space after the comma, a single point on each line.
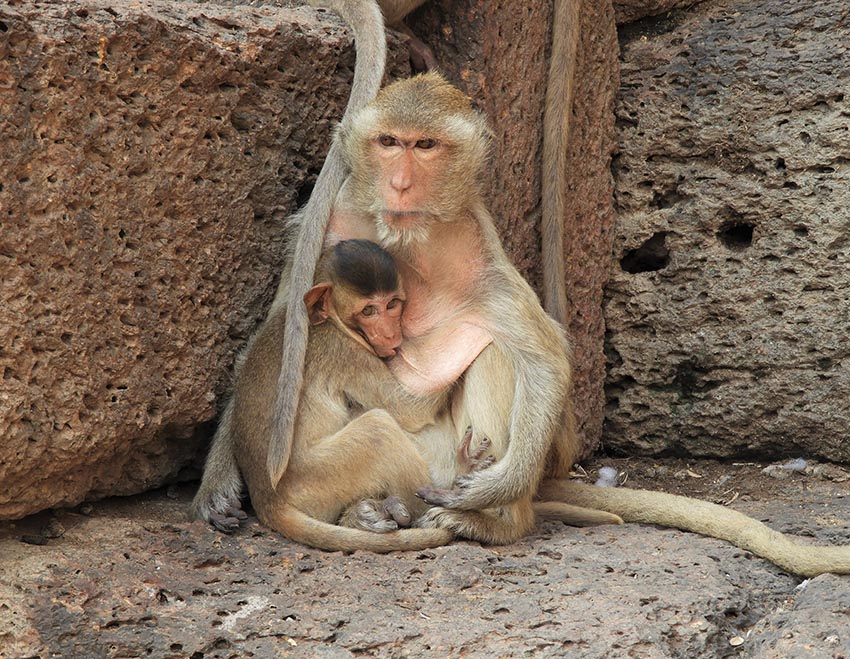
[228, 519]
[377, 516]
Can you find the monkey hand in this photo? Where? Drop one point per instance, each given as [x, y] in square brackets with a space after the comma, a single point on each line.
[437, 496]
[471, 460]
[476, 459]
[377, 516]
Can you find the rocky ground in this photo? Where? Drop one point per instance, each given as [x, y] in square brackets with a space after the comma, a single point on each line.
[131, 577]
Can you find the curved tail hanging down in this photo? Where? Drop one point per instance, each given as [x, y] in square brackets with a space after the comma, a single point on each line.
[365, 19]
[557, 120]
[705, 518]
[300, 527]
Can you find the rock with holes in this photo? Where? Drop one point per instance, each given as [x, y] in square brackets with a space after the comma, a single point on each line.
[728, 310]
[150, 153]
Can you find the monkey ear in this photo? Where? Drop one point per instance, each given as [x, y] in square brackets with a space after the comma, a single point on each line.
[318, 301]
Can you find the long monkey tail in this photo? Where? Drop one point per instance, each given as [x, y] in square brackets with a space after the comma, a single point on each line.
[297, 525]
[557, 119]
[365, 19]
[649, 507]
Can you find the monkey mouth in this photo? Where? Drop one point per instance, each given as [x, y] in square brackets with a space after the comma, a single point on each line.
[401, 219]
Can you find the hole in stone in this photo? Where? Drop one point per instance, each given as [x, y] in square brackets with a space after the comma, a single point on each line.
[303, 194]
[801, 231]
[791, 185]
[780, 164]
[3, 27]
[736, 235]
[653, 255]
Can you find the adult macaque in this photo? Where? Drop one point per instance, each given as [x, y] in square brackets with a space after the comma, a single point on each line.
[416, 154]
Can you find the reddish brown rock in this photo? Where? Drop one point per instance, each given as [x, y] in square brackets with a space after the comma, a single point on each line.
[150, 152]
[497, 53]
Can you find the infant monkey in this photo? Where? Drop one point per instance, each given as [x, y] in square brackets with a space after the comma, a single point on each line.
[353, 464]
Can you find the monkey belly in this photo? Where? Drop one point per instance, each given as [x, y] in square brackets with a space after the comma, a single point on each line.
[437, 360]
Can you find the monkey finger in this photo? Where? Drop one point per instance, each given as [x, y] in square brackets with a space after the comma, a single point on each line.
[436, 496]
[479, 453]
[395, 508]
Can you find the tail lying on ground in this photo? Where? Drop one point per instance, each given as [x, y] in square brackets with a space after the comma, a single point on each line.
[649, 507]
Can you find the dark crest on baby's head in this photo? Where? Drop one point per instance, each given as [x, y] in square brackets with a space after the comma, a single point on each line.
[364, 266]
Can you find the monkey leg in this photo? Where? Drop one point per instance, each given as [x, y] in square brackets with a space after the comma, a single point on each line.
[493, 526]
[218, 499]
[371, 457]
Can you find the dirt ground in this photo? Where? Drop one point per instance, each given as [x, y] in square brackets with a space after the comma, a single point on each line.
[127, 578]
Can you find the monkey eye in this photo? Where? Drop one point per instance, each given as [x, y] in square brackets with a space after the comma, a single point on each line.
[368, 310]
[394, 303]
[387, 140]
[427, 143]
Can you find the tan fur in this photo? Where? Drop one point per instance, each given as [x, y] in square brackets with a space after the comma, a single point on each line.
[340, 454]
[218, 495]
[516, 392]
[706, 518]
[557, 120]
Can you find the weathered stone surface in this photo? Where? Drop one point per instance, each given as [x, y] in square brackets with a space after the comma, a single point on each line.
[728, 310]
[627, 11]
[497, 52]
[150, 152]
[811, 623]
[132, 579]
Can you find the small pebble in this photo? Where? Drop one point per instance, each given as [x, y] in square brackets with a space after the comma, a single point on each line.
[607, 477]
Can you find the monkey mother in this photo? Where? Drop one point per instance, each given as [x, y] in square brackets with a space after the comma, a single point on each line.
[416, 156]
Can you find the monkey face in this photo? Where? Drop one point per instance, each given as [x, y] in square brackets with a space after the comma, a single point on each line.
[378, 320]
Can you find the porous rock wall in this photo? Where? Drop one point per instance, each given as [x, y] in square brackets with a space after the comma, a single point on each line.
[149, 153]
[728, 310]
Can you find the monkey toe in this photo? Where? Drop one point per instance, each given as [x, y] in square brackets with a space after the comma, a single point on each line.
[225, 523]
[395, 508]
[234, 511]
[370, 515]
